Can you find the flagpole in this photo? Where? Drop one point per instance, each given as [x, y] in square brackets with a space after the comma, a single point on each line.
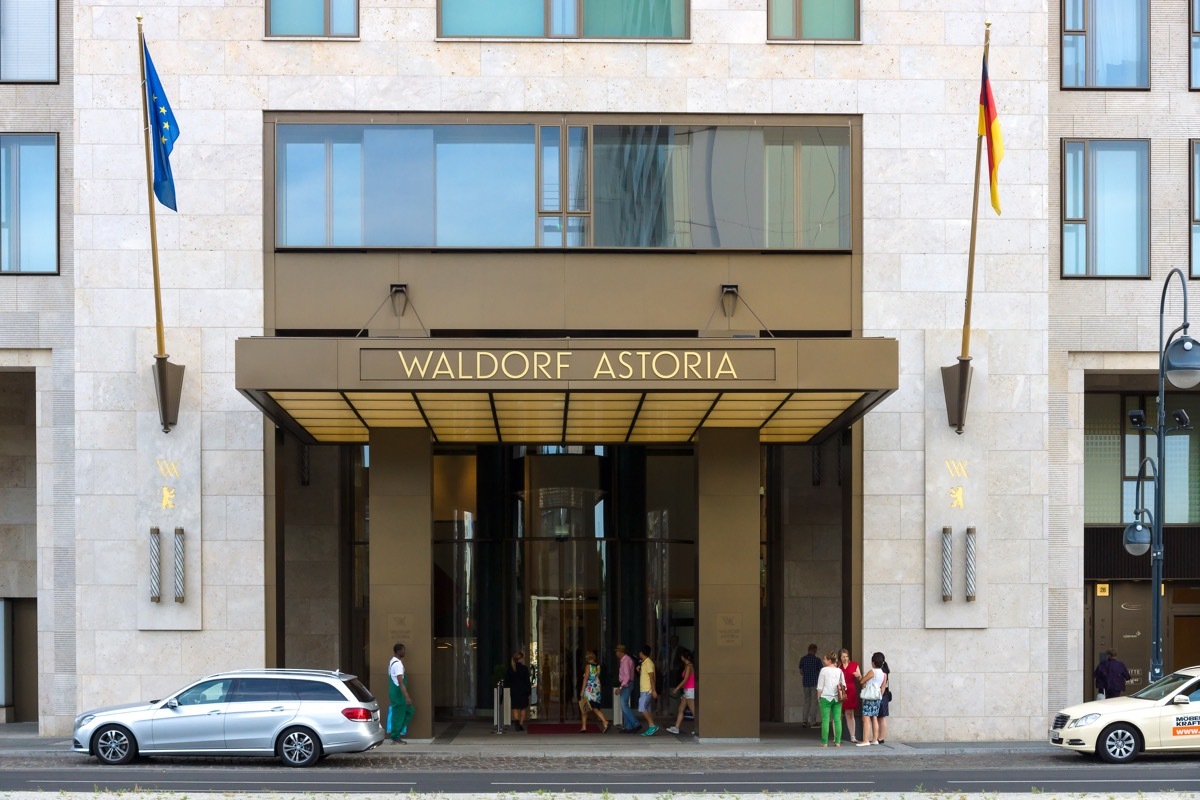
[966, 335]
[158, 314]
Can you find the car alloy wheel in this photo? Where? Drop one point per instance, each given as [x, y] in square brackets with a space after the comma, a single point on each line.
[1118, 744]
[299, 747]
[115, 745]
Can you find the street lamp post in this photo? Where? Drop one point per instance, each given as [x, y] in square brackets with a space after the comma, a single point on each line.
[1179, 360]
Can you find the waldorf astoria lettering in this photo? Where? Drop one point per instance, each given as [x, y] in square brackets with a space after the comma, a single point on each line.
[586, 364]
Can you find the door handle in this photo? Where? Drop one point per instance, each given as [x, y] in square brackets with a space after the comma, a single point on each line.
[214, 711]
[277, 708]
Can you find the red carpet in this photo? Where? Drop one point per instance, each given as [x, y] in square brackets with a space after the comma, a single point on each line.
[560, 727]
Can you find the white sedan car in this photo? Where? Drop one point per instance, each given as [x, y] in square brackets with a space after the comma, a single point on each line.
[1163, 717]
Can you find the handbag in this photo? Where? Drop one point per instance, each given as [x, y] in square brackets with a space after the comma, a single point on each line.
[585, 705]
[871, 692]
[841, 691]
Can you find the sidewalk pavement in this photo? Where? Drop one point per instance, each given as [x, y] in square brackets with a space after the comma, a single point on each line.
[477, 738]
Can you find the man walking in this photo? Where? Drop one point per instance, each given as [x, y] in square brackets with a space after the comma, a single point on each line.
[1111, 675]
[810, 670]
[649, 691]
[400, 708]
[630, 723]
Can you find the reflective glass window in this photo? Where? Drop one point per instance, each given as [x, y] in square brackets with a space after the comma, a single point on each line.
[312, 18]
[28, 40]
[1106, 208]
[597, 19]
[1195, 54]
[28, 203]
[626, 186]
[1108, 41]
[1195, 203]
[812, 19]
[206, 693]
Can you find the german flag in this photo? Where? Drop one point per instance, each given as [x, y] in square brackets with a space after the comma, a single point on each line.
[989, 126]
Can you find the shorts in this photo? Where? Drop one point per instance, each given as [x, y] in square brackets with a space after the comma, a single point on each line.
[644, 700]
[870, 708]
[689, 694]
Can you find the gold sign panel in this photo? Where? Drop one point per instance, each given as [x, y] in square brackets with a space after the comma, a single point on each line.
[612, 366]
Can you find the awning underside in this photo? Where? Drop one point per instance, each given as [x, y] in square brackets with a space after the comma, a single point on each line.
[570, 416]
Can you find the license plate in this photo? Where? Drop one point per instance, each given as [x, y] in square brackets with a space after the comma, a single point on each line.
[1056, 737]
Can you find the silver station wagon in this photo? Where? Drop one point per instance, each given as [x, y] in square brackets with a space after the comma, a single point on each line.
[298, 715]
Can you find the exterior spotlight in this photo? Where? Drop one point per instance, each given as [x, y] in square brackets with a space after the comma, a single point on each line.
[1181, 418]
[1136, 539]
[729, 298]
[1181, 362]
[1137, 419]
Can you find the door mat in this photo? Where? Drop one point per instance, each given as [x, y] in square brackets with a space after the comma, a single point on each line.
[558, 727]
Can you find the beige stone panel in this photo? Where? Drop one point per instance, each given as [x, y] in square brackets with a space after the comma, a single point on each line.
[205, 652]
[735, 26]
[244, 608]
[802, 96]
[1017, 431]
[881, 604]
[933, 272]
[104, 430]
[232, 472]
[910, 310]
[108, 57]
[891, 473]
[1017, 604]
[694, 61]
[419, 94]
[881, 271]
[245, 518]
[525, 59]
[114, 469]
[346, 58]
[882, 517]
[913, 165]
[1013, 272]
[912, 607]
[1018, 518]
[630, 95]
[881, 202]
[99, 691]
[1017, 352]
[107, 608]
[220, 308]
[588, 59]
[226, 92]
[725, 96]
[565, 94]
[902, 28]
[881, 431]
[213, 608]
[893, 561]
[1010, 473]
[912, 431]
[243, 268]
[118, 162]
[116, 268]
[919, 62]
[215, 161]
[723, 706]
[867, 63]
[482, 94]
[439, 59]
[755, 61]
[228, 23]
[109, 126]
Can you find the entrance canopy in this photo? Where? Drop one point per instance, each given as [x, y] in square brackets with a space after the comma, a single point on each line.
[551, 391]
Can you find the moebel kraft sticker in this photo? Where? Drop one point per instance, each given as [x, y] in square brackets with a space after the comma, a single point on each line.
[1186, 726]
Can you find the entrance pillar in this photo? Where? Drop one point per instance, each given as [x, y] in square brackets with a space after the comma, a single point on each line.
[727, 621]
[401, 599]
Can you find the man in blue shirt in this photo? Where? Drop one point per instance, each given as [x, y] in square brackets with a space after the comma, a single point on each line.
[810, 668]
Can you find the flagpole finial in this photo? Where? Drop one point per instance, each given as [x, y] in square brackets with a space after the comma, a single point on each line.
[139, 19]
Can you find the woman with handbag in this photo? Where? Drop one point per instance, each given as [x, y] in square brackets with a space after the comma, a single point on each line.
[850, 705]
[589, 693]
[831, 691]
[872, 696]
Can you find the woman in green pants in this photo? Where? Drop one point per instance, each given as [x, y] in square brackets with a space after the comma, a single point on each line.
[401, 708]
[829, 681]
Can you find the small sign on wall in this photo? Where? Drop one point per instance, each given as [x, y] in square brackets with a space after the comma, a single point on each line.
[400, 628]
[729, 630]
[1101, 590]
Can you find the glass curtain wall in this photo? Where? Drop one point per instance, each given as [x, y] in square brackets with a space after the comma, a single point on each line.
[556, 551]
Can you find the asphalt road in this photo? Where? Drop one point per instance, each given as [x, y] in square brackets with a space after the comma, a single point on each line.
[617, 774]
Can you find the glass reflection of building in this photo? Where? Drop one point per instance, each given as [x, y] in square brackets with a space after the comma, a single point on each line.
[557, 551]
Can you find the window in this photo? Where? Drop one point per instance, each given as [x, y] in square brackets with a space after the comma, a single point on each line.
[1195, 204]
[813, 19]
[28, 204]
[330, 18]
[1106, 208]
[28, 41]
[1106, 44]
[1194, 59]
[566, 19]
[564, 185]
[216, 691]
[252, 690]
[1113, 453]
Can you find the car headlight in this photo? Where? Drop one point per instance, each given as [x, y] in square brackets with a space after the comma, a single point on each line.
[1086, 719]
[84, 720]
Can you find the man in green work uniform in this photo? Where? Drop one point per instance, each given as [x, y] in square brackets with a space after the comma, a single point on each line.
[401, 707]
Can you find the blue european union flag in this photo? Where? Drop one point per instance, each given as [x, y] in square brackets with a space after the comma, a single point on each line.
[163, 133]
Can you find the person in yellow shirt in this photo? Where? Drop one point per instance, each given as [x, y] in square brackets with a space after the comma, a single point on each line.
[649, 692]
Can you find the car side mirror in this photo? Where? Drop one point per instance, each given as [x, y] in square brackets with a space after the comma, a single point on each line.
[172, 703]
[1181, 700]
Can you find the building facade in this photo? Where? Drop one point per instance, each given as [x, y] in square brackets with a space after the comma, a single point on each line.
[549, 329]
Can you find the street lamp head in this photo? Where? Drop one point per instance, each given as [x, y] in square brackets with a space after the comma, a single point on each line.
[1136, 539]
[1137, 419]
[1182, 362]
